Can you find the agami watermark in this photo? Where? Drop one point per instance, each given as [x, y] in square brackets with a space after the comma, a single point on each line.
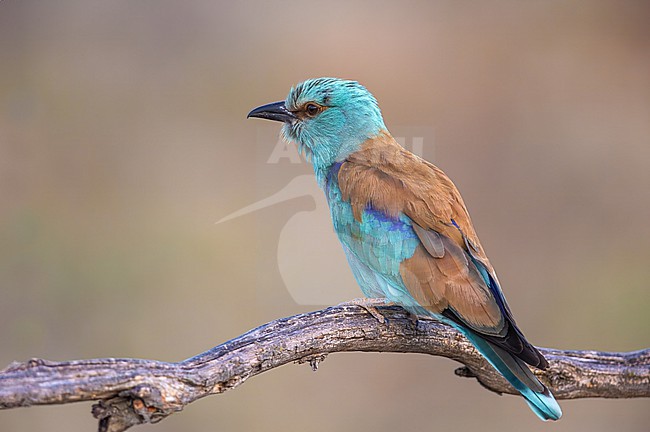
[309, 257]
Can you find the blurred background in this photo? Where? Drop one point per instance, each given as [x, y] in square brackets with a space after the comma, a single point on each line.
[123, 139]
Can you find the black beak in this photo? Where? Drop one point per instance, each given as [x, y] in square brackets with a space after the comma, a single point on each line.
[273, 111]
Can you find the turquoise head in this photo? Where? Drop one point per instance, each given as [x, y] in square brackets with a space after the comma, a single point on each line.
[328, 118]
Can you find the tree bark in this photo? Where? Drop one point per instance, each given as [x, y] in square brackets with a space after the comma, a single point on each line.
[135, 391]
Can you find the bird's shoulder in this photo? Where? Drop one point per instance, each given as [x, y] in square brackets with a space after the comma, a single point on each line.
[385, 176]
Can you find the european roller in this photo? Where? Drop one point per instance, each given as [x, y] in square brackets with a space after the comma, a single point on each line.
[404, 227]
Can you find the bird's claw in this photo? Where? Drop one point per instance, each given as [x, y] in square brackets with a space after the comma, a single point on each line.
[370, 305]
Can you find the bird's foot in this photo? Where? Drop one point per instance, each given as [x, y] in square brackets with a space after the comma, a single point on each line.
[413, 318]
[370, 305]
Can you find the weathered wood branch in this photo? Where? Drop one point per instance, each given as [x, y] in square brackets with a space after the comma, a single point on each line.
[133, 391]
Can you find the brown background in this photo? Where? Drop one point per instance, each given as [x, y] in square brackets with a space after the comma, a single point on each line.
[123, 139]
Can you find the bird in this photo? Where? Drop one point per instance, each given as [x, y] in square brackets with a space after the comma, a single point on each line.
[404, 227]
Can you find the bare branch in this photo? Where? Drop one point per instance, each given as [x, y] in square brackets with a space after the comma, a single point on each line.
[133, 391]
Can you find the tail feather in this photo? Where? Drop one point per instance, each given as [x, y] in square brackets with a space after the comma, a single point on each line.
[537, 395]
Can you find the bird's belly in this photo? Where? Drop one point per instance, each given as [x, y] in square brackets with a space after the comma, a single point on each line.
[375, 247]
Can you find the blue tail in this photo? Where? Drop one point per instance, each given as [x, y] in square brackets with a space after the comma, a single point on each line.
[537, 395]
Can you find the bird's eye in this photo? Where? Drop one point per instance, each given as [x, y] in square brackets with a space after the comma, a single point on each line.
[312, 109]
